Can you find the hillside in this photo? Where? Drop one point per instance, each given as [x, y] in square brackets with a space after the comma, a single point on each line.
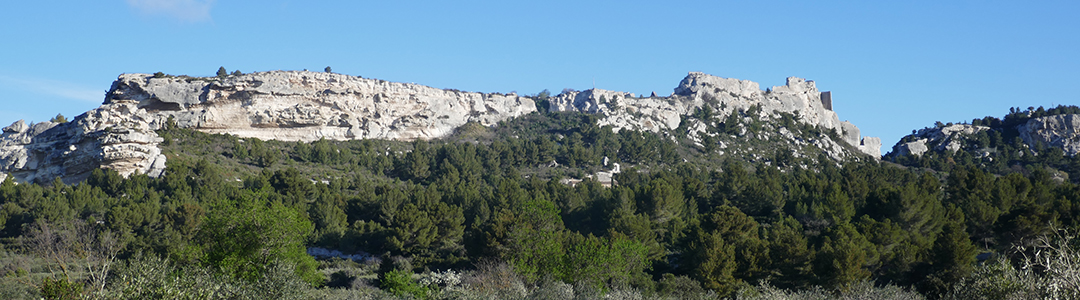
[1036, 139]
[597, 194]
[309, 106]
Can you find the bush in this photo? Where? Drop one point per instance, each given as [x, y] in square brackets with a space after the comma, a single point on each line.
[859, 290]
[400, 283]
[60, 288]
[151, 277]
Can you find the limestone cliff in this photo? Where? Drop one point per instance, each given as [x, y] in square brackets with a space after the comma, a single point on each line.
[307, 106]
[279, 105]
[724, 95]
[113, 136]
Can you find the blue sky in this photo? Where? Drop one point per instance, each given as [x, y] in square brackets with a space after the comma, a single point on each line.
[892, 66]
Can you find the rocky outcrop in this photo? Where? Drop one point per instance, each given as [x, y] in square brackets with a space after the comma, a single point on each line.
[280, 105]
[114, 136]
[946, 138]
[1062, 131]
[724, 95]
[307, 106]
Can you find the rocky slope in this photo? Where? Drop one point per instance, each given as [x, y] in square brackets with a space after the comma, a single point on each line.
[307, 106]
[947, 138]
[1060, 131]
[725, 96]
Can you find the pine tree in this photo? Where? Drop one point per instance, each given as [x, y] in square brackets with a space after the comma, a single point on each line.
[953, 256]
[59, 118]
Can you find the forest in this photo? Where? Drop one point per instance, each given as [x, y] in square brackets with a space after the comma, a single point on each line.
[487, 213]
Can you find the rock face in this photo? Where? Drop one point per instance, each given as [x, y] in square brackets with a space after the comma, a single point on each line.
[1061, 131]
[114, 136]
[724, 95]
[308, 106]
[280, 105]
[947, 138]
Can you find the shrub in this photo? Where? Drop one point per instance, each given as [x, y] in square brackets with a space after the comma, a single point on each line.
[60, 288]
[59, 118]
[400, 283]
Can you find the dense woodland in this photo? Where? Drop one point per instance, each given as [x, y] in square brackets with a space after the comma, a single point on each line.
[484, 214]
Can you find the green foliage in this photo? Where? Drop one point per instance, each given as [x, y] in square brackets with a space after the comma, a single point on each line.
[60, 288]
[151, 277]
[59, 118]
[235, 212]
[400, 283]
[221, 72]
[243, 236]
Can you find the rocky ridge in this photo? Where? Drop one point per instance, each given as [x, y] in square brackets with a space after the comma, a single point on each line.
[947, 138]
[278, 105]
[1061, 131]
[307, 106]
[801, 97]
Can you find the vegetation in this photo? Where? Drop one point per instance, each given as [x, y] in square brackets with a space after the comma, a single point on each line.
[1000, 150]
[486, 214]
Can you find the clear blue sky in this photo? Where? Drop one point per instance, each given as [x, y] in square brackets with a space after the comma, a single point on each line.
[893, 66]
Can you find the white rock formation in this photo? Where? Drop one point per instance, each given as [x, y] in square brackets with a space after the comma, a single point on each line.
[280, 105]
[307, 106]
[725, 95]
[950, 138]
[117, 136]
[1061, 131]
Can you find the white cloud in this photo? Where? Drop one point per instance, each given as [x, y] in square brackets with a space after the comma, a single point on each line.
[183, 10]
[55, 88]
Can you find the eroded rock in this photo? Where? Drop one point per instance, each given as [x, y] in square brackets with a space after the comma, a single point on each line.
[116, 136]
[1062, 131]
[724, 95]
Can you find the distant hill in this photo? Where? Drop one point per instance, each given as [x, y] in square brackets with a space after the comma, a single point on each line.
[1022, 141]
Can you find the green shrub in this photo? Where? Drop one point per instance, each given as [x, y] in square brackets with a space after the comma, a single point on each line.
[400, 283]
[60, 288]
